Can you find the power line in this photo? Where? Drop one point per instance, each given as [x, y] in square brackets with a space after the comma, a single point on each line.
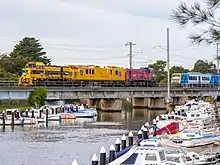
[130, 44]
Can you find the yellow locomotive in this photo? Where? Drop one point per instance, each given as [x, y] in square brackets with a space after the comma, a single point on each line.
[33, 71]
[36, 73]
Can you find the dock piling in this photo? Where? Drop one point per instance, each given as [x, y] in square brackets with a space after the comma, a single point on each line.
[123, 142]
[32, 114]
[17, 115]
[47, 117]
[146, 124]
[117, 145]
[95, 160]
[40, 115]
[102, 156]
[26, 113]
[52, 111]
[56, 111]
[22, 121]
[12, 120]
[145, 133]
[62, 109]
[112, 153]
[139, 134]
[130, 139]
[75, 162]
[155, 128]
[60, 120]
[3, 121]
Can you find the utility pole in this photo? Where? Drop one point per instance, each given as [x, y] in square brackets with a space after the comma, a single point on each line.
[217, 58]
[168, 64]
[130, 44]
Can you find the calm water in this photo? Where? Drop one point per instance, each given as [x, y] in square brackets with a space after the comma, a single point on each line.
[59, 145]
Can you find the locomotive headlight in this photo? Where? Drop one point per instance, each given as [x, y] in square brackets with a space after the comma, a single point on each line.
[41, 74]
[24, 73]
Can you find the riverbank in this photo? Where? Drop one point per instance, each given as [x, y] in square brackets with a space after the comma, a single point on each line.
[3, 107]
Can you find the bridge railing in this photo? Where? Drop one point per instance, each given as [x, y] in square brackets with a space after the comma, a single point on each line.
[107, 84]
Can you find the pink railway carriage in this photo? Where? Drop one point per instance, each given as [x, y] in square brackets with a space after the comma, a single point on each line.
[140, 77]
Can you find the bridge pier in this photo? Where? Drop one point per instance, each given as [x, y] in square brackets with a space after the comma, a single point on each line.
[179, 100]
[111, 104]
[90, 103]
[140, 102]
[156, 103]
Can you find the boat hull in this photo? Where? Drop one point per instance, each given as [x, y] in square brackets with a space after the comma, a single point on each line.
[27, 121]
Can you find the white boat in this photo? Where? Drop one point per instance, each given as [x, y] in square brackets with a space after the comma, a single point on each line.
[86, 113]
[202, 159]
[148, 152]
[83, 114]
[191, 158]
[199, 114]
[194, 140]
[51, 117]
[179, 158]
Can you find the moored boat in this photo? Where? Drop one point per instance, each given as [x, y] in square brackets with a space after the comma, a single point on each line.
[194, 140]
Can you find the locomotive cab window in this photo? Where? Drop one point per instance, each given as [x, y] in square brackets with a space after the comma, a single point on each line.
[110, 71]
[87, 71]
[116, 72]
[37, 72]
[119, 73]
[31, 65]
[93, 72]
[40, 67]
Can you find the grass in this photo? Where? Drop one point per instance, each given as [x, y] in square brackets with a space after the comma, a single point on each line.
[3, 107]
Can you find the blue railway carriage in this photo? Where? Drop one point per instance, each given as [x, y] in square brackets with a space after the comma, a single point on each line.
[215, 80]
[195, 79]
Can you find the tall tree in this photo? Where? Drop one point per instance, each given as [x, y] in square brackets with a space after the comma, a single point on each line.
[159, 69]
[204, 67]
[178, 69]
[28, 49]
[197, 15]
[5, 68]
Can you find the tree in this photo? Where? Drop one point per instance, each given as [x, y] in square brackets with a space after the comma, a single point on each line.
[5, 64]
[27, 50]
[38, 96]
[197, 15]
[204, 67]
[159, 69]
[178, 69]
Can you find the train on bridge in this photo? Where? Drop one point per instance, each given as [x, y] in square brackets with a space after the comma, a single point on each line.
[195, 79]
[38, 74]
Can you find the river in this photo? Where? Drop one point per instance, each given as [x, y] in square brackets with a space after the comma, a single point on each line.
[60, 144]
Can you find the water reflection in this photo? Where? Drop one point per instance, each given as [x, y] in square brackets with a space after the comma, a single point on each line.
[130, 119]
[79, 138]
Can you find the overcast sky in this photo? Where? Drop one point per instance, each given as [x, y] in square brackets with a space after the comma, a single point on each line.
[95, 31]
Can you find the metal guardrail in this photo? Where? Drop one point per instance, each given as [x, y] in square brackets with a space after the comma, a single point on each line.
[113, 84]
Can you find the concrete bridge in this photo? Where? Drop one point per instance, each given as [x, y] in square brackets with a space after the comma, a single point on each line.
[109, 97]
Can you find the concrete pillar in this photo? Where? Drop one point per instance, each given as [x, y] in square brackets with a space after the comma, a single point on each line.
[111, 104]
[156, 103]
[90, 103]
[140, 102]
